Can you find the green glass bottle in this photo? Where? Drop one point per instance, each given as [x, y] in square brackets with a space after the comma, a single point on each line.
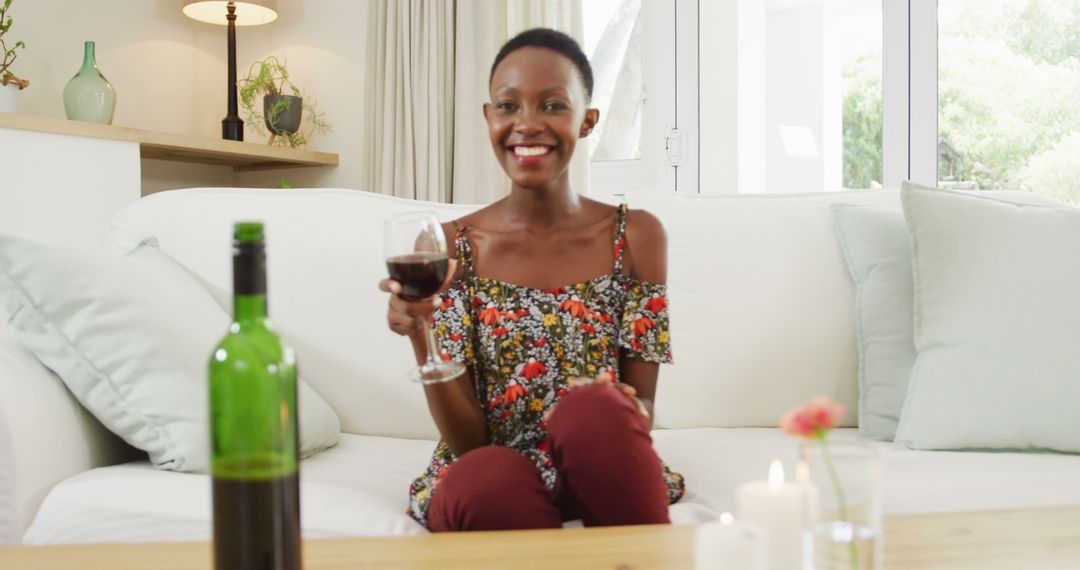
[254, 453]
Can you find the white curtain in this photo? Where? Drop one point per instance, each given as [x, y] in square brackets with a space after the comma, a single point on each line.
[428, 64]
[410, 99]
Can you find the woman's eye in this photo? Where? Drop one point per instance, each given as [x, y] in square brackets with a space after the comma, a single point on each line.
[505, 106]
[555, 106]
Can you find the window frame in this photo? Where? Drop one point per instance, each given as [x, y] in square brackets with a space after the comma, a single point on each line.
[909, 92]
[671, 71]
[651, 172]
[910, 97]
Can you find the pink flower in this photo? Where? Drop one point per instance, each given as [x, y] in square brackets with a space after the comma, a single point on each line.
[813, 420]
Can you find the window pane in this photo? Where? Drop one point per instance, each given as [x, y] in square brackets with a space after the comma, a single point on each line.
[790, 95]
[613, 38]
[1009, 95]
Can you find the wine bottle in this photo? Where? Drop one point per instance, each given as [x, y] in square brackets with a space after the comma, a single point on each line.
[254, 453]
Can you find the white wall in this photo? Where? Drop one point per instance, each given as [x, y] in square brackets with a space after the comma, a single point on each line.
[170, 74]
[64, 186]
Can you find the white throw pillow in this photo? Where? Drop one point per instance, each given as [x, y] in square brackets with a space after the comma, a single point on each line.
[878, 252]
[131, 335]
[996, 324]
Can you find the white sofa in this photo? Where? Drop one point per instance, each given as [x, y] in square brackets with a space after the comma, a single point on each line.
[762, 314]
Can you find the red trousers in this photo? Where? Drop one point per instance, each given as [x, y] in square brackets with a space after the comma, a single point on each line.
[607, 474]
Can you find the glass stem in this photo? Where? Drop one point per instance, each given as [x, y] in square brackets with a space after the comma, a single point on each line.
[429, 335]
[840, 501]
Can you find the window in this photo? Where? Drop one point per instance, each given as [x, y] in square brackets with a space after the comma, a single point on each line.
[1009, 95]
[631, 47]
[790, 95]
[613, 37]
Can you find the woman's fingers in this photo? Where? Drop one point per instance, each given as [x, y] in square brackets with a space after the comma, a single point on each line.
[390, 286]
[626, 389]
[420, 308]
[402, 325]
[404, 316]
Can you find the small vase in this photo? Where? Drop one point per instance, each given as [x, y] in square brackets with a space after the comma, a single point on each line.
[845, 533]
[89, 96]
[7, 97]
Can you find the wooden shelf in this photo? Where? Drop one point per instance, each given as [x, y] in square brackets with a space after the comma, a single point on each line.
[183, 148]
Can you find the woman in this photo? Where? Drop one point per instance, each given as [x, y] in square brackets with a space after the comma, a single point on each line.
[523, 446]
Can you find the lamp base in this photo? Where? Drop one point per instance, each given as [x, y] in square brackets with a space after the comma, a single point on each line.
[232, 129]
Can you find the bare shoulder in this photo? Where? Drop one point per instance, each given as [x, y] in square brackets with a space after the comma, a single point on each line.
[476, 218]
[646, 246]
[642, 224]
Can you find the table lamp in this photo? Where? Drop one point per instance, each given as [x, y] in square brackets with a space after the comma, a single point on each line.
[244, 13]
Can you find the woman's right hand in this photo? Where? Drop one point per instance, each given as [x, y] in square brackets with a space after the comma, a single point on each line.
[407, 318]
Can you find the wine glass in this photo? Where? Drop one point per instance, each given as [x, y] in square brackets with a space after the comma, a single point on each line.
[415, 249]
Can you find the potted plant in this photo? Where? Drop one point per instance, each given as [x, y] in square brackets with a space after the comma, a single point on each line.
[9, 82]
[283, 104]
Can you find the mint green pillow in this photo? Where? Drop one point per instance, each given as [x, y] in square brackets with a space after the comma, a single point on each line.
[878, 253]
[131, 335]
[996, 324]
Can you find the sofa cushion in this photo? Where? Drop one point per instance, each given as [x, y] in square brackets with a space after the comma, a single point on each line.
[130, 335]
[761, 306]
[877, 247]
[360, 486]
[324, 251]
[995, 324]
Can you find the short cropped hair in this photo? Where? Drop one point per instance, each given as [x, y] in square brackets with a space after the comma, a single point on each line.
[553, 40]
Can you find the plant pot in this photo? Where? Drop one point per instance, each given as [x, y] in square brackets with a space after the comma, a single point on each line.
[7, 97]
[283, 113]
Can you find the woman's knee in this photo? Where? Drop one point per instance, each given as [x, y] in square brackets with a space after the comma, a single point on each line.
[491, 488]
[484, 469]
[595, 408]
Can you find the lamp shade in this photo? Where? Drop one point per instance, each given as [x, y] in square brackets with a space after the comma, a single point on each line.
[248, 12]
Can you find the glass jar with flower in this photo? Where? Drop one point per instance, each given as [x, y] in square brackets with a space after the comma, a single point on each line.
[845, 532]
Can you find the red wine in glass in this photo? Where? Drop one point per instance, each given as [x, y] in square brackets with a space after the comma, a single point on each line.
[421, 274]
[416, 257]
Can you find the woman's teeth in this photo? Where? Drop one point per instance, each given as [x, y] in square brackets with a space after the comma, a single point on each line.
[530, 150]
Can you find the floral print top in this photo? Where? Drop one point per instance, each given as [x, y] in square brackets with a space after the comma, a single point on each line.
[523, 344]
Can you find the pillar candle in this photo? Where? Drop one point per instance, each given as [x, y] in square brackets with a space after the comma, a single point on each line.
[778, 507]
[729, 545]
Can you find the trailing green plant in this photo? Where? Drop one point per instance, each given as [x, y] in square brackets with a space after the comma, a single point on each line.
[7, 77]
[270, 76]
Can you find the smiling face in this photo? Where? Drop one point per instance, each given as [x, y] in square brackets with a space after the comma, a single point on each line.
[538, 111]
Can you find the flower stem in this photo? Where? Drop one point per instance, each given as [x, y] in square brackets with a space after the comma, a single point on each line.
[840, 500]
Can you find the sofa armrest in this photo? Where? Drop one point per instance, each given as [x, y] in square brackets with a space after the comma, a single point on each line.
[45, 436]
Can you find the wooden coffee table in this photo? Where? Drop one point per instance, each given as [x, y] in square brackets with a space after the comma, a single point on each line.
[1037, 539]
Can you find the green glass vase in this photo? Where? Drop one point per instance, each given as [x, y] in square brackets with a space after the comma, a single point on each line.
[89, 96]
